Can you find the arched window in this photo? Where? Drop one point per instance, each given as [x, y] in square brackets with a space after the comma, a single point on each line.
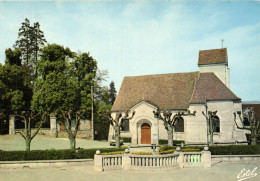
[125, 125]
[216, 124]
[179, 126]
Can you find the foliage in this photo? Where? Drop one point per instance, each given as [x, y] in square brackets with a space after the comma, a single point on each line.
[13, 57]
[235, 150]
[166, 152]
[165, 142]
[183, 150]
[30, 40]
[52, 154]
[126, 139]
[112, 93]
[113, 153]
[142, 153]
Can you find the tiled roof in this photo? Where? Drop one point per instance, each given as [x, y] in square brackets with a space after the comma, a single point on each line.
[167, 91]
[172, 91]
[210, 88]
[214, 56]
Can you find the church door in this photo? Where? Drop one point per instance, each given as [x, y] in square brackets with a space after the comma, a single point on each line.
[145, 134]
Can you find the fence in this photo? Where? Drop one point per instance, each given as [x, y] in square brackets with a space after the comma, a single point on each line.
[140, 162]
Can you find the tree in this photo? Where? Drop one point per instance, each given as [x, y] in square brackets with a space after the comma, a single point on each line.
[254, 127]
[64, 86]
[29, 117]
[211, 117]
[116, 122]
[69, 119]
[170, 121]
[112, 93]
[30, 39]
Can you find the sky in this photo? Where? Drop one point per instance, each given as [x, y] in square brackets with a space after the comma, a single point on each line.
[130, 38]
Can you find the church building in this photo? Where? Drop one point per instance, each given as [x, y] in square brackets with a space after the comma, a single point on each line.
[205, 90]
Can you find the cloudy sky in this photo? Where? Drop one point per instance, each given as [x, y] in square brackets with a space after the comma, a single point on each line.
[130, 38]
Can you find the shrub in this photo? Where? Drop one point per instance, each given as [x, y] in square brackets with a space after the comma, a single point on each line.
[126, 139]
[183, 150]
[113, 153]
[235, 150]
[175, 142]
[142, 153]
[167, 152]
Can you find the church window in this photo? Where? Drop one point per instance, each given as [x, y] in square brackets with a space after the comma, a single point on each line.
[125, 125]
[179, 126]
[216, 124]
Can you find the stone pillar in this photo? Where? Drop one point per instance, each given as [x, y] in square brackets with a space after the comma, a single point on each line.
[98, 162]
[126, 160]
[53, 125]
[180, 157]
[206, 157]
[11, 124]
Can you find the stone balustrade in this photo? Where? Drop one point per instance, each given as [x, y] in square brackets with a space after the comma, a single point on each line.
[140, 162]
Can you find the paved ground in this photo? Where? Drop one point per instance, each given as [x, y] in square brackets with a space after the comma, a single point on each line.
[219, 172]
[40, 142]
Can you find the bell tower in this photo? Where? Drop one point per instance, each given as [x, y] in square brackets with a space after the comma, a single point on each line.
[216, 61]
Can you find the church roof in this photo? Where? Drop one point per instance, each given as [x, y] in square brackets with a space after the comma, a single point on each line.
[214, 56]
[171, 91]
[210, 88]
[167, 91]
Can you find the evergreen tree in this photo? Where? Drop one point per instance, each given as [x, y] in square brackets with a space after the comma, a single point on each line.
[112, 93]
[30, 39]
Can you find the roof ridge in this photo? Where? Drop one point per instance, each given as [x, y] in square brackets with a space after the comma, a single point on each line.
[213, 49]
[194, 87]
[161, 74]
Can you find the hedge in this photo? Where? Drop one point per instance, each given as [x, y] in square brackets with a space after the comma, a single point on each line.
[235, 150]
[126, 139]
[53, 154]
[221, 150]
[165, 142]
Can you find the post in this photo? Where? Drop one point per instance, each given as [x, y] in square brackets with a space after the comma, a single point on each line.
[92, 114]
[53, 125]
[126, 160]
[11, 124]
[98, 164]
[206, 157]
[180, 157]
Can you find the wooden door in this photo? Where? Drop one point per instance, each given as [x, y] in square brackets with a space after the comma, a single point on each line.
[145, 134]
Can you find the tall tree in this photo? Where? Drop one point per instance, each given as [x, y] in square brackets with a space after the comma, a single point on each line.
[112, 93]
[170, 121]
[30, 39]
[64, 86]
